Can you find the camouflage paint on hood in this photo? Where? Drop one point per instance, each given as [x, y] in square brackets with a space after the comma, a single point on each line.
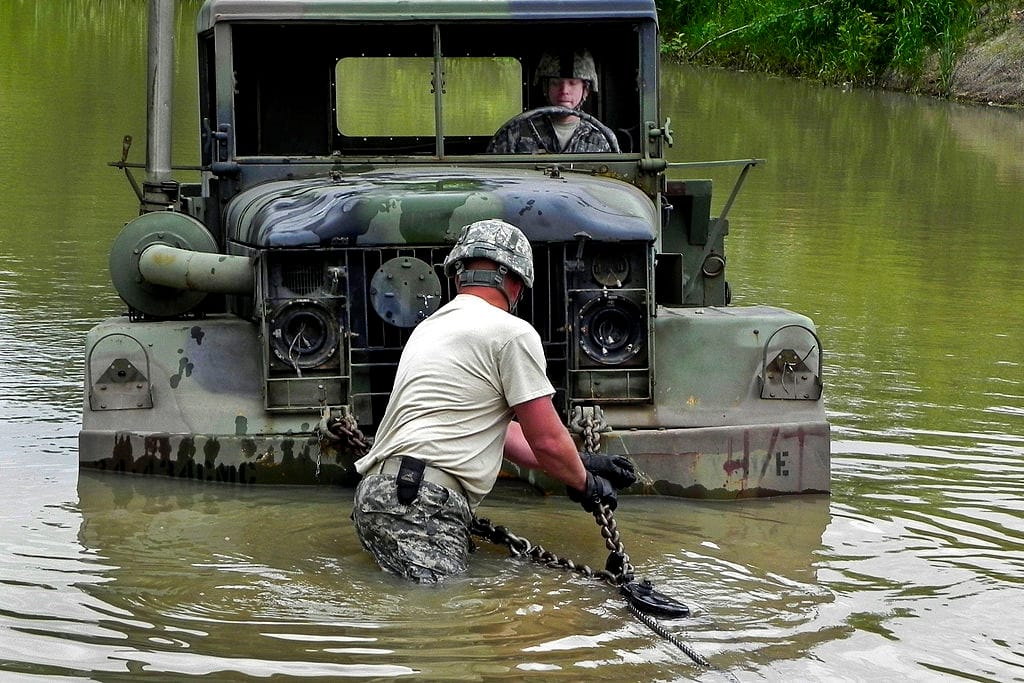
[417, 206]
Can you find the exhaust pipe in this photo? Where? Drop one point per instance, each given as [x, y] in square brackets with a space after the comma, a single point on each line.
[159, 191]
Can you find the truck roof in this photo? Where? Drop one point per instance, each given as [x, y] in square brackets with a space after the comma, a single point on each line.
[218, 11]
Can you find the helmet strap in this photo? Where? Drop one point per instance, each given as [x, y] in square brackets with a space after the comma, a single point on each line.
[584, 95]
[485, 278]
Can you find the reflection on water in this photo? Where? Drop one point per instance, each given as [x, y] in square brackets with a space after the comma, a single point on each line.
[894, 222]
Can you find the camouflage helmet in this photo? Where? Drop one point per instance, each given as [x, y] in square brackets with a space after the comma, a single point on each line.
[494, 240]
[578, 64]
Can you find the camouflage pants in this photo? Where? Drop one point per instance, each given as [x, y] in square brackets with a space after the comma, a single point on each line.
[424, 541]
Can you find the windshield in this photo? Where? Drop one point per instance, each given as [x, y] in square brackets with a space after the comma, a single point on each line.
[320, 89]
[383, 96]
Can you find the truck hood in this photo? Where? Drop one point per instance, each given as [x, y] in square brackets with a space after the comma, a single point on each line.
[413, 205]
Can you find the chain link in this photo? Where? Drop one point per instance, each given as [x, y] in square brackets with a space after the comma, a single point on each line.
[344, 428]
[590, 423]
[618, 569]
[340, 427]
[520, 546]
[339, 430]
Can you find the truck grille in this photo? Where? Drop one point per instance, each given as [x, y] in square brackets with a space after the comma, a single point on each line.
[375, 345]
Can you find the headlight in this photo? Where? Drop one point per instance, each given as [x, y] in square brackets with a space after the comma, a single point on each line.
[611, 329]
[303, 334]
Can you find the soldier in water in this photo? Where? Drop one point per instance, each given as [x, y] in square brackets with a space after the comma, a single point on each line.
[465, 372]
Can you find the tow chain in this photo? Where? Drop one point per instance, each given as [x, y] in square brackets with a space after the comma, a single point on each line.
[345, 429]
[618, 571]
[338, 429]
[520, 546]
[590, 424]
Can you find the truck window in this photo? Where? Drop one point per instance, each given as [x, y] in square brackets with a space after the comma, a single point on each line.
[325, 89]
[394, 96]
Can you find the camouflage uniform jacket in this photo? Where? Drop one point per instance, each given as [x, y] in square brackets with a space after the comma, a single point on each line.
[537, 135]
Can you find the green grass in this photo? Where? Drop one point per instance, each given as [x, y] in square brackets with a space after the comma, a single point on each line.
[834, 41]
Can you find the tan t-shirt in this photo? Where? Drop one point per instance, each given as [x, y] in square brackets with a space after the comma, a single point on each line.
[461, 372]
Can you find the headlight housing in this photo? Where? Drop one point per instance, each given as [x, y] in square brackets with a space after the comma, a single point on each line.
[611, 329]
[305, 328]
[303, 334]
[609, 316]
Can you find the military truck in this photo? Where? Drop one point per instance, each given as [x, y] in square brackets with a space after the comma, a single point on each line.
[343, 147]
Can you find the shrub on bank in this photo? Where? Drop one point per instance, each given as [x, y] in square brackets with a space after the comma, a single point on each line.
[836, 41]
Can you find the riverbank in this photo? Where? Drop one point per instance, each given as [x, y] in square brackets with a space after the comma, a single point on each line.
[990, 70]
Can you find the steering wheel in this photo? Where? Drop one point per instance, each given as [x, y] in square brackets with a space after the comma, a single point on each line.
[556, 110]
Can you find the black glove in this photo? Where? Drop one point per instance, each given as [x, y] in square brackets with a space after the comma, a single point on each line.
[617, 469]
[597, 490]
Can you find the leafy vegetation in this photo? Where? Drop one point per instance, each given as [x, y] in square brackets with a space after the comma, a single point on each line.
[835, 41]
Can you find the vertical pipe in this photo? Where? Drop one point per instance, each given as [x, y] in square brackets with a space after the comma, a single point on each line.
[161, 73]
